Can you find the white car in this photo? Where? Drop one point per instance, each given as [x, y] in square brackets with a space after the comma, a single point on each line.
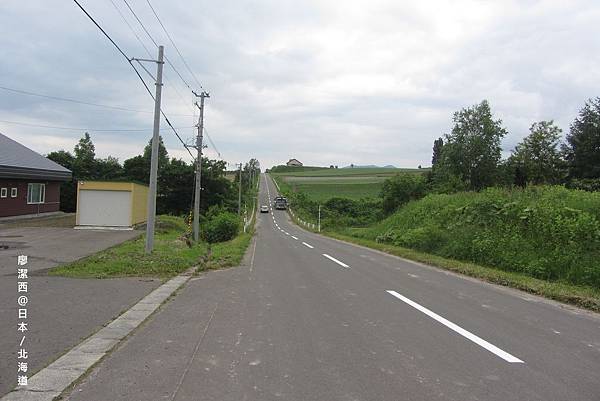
[264, 209]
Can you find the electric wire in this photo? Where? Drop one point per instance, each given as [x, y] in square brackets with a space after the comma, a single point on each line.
[166, 58]
[70, 100]
[131, 28]
[115, 45]
[79, 129]
[174, 45]
[150, 55]
[212, 143]
[156, 44]
[135, 69]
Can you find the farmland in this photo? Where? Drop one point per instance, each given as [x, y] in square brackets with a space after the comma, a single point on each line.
[351, 183]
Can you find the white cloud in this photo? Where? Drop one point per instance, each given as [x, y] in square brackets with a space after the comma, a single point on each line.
[327, 82]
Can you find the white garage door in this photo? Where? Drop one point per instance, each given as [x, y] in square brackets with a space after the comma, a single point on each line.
[104, 208]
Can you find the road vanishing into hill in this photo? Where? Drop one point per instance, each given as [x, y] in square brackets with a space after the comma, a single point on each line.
[310, 318]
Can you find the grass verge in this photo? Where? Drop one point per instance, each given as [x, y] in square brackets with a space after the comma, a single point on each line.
[584, 297]
[171, 256]
[230, 253]
[227, 254]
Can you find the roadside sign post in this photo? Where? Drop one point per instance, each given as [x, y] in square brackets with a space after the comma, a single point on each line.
[319, 221]
[240, 193]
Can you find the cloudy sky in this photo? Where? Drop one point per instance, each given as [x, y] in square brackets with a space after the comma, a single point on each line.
[324, 81]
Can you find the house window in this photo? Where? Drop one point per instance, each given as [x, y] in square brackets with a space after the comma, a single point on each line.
[36, 193]
[3, 192]
[13, 192]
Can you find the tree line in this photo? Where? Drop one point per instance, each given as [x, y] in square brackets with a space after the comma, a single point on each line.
[469, 158]
[175, 182]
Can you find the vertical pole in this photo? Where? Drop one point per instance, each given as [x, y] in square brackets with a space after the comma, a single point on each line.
[199, 167]
[154, 158]
[240, 193]
[245, 216]
[319, 218]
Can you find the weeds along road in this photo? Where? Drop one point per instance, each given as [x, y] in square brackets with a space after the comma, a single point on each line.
[310, 318]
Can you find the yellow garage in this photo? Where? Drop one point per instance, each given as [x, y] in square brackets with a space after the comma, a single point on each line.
[111, 204]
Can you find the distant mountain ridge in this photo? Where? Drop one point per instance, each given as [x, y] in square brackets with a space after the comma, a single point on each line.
[370, 166]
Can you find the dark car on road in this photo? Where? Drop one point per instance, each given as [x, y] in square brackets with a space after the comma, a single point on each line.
[280, 203]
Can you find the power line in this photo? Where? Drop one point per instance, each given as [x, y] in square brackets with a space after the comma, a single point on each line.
[212, 143]
[135, 69]
[131, 28]
[78, 129]
[176, 134]
[115, 45]
[64, 99]
[150, 54]
[156, 44]
[174, 45]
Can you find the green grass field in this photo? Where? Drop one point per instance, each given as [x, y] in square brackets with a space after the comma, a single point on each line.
[321, 190]
[345, 172]
[352, 183]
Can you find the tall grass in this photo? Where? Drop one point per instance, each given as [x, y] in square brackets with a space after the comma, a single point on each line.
[546, 232]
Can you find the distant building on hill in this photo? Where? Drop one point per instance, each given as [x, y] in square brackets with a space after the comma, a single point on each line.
[294, 163]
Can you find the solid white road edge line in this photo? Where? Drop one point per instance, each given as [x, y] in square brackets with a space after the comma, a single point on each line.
[465, 333]
[336, 261]
[308, 245]
[253, 253]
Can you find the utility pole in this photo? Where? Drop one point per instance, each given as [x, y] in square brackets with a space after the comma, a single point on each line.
[154, 158]
[198, 147]
[240, 193]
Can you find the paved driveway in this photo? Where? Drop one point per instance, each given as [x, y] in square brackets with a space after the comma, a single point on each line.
[62, 311]
[47, 247]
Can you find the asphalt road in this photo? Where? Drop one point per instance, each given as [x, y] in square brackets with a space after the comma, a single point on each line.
[310, 318]
[61, 311]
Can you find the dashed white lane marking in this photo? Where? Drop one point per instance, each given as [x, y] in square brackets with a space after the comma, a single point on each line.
[286, 233]
[336, 261]
[467, 334]
[296, 238]
[308, 245]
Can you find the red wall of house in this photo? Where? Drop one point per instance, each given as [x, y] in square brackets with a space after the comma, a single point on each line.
[18, 206]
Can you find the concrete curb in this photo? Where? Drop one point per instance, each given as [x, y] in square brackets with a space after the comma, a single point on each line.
[51, 381]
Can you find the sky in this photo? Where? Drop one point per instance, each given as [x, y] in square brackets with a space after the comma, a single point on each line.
[323, 81]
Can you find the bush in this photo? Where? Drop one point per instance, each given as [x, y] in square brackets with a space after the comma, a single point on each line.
[548, 232]
[400, 189]
[425, 238]
[586, 184]
[221, 227]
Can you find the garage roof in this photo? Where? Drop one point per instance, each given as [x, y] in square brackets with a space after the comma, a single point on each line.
[18, 161]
